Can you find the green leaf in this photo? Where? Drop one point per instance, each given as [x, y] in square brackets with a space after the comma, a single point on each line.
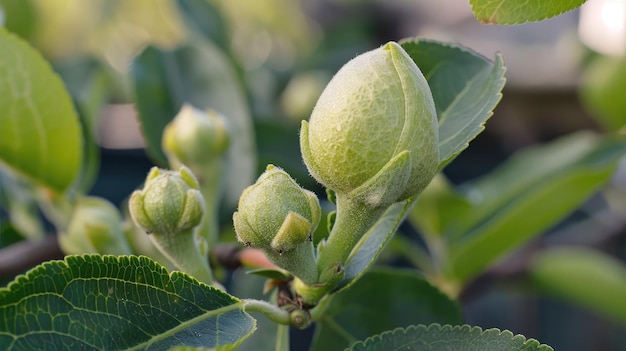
[200, 74]
[206, 18]
[525, 196]
[601, 91]
[20, 17]
[40, 135]
[466, 88]
[17, 197]
[94, 302]
[585, 277]
[520, 11]
[442, 338]
[382, 299]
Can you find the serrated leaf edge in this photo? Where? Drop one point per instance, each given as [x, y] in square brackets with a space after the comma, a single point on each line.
[447, 327]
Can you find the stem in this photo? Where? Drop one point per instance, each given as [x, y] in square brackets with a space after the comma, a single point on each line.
[210, 185]
[353, 220]
[182, 249]
[269, 310]
[319, 311]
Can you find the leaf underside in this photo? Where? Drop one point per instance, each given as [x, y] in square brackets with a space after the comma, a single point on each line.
[94, 302]
[520, 11]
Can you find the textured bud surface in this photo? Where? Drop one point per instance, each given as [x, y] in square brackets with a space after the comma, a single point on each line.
[276, 213]
[169, 202]
[376, 107]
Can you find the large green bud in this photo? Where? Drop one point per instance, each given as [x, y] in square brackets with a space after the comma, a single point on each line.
[278, 216]
[373, 133]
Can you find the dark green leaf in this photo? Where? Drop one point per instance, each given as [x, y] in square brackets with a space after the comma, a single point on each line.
[40, 135]
[466, 88]
[20, 17]
[381, 300]
[583, 276]
[206, 18]
[443, 338]
[94, 302]
[520, 11]
[525, 196]
[200, 74]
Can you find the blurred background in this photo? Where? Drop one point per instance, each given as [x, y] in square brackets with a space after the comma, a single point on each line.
[563, 75]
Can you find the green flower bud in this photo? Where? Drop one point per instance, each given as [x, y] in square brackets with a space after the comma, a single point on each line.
[275, 214]
[170, 202]
[94, 227]
[195, 137]
[169, 207]
[373, 134]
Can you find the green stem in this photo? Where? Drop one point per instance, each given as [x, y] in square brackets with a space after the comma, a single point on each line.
[353, 220]
[210, 187]
[269, 310]
[182, 250]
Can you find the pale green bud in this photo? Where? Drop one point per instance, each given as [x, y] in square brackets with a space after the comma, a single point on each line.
[195, 137]
[277, 215]
[373, 133]
[94, 227]
[170, 202]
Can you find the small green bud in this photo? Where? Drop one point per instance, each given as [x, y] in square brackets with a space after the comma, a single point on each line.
[277, 215]
[373, 134]
[169, 207]
[94, 227]
[195, 137]
[170, 202]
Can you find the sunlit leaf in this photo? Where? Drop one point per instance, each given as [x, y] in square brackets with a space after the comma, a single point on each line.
[116, 303]
[520, 11]
[527, 195]
[381, 300]
[40, 135]
[442, 338]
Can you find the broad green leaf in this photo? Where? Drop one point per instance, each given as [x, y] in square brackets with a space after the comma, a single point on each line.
[382, 299]
[525, 196]
[442, 338]
[466, 88]
[40, 135]
[94, 302]
[601, 91]
[585, 277]
[520, 11]
[200, 74]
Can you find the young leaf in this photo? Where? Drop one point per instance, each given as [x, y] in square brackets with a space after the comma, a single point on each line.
[520, 11]
[441, 338]
[116, 303]
[604, 80]
[466, 88]
[197, 73]
[527, 195]
[382, 299]
[583, 276]
[40, 135]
